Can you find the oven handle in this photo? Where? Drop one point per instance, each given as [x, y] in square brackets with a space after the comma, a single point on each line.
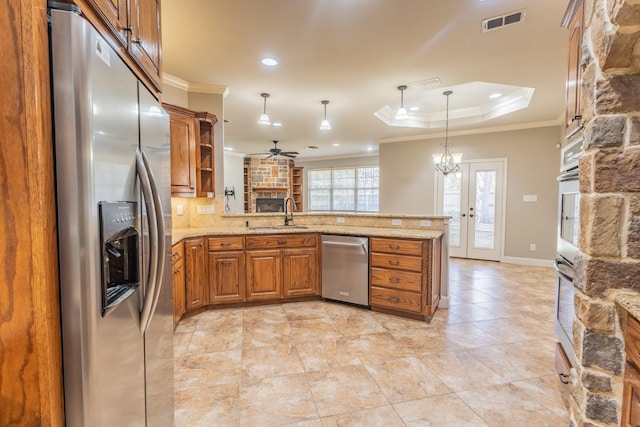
[557, 264]
[160, 242]
[145, 185]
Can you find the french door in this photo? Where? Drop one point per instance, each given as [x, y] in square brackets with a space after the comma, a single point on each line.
[473, 198]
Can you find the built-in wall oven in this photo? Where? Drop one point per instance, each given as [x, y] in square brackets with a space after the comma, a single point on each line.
[567, 247]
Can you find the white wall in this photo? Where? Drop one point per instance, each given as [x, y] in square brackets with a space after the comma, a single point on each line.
[407, 182]
[234, 178]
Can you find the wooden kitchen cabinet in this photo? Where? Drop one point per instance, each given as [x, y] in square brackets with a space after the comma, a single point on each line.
[133, 28]
[144, 45]
[192, 152]
[195, 273]
[405, 276]
[205, 179]
[264, 274]
[226, 263]
[182, 129]
[300, 270]
[631, 391]
[178, 282]
[295, 182]
[281, 266]
[574, 21]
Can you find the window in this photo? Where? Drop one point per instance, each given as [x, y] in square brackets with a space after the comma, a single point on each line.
[349, 189]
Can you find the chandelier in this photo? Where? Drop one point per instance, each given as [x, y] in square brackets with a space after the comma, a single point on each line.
[447, 162]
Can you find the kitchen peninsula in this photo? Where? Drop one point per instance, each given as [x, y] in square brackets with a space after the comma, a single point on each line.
[224, 261]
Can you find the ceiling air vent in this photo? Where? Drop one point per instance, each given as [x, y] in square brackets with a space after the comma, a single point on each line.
[503, 20]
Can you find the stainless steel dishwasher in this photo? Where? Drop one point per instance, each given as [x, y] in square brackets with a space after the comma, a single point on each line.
[345, 268]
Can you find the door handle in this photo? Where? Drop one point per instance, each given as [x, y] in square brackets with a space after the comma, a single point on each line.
[470, 215]
[463, 215]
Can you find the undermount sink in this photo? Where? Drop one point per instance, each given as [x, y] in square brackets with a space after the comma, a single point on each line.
[278, 227]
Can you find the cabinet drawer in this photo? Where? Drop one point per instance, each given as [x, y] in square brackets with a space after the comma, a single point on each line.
[224, 243]
[400, 262]
[281, 241]
[396, 246]
[399, 300]
[632, 341]
[396, 279]
[563, 368]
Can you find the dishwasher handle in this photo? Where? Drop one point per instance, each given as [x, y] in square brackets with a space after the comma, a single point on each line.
[363, 246]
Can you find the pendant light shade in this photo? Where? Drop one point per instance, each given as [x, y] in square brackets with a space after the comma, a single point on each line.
[264, 117]
[402, 114]
[447, 162]
[324, 125]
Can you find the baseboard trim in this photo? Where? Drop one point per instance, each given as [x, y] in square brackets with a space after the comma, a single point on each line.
[527, 261]
[444, 301]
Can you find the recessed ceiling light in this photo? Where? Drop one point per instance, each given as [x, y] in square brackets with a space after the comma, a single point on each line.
[269, 62]
[336, 145]
[495, 95]
[369, 148]
[414, 108]
[277, 124]
[228, 149]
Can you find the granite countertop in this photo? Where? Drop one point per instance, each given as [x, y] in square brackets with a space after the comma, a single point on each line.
[630, 301]
[181, 233]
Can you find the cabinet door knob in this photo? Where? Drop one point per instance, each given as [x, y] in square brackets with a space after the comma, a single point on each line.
[394, 279]
[282, 242]
[394, 262]
[394, 247]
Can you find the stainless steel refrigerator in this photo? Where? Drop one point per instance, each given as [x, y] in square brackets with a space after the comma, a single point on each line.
[114, 232]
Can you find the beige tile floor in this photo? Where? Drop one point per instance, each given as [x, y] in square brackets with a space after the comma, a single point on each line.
[486, 361]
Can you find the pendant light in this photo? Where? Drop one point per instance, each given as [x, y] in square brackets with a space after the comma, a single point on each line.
[324, 125]
[264, 117]
[402, 112]
[447, 162]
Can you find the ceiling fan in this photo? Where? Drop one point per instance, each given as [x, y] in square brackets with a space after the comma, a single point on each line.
[276, 152]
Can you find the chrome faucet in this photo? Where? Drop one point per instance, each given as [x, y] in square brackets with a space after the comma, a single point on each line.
[288, 216]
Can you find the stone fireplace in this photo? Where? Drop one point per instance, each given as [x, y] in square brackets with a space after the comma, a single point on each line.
[610, 206]
[266, 179]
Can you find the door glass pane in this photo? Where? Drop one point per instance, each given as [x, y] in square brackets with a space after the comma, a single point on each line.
[451, 205]
[485, 209]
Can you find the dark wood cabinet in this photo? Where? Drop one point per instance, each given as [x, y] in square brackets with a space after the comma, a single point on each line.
[195, 273]
[226, 263]
[178, 281]
[405, 276]
[574, 18]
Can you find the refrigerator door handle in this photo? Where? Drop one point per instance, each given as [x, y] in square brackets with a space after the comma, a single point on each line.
[145, 186]
[160, 241]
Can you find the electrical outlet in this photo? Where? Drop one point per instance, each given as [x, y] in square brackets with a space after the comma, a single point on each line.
[396, 222]
[532, 247]
[180, 209]
[340, 220]
[206, 209]
[425, 223]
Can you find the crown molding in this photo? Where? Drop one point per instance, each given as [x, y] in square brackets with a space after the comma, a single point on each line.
[186, 86]
[478, 131]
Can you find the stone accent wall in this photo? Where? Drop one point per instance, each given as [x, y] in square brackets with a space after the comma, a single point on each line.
[269, 178]
[610, 206]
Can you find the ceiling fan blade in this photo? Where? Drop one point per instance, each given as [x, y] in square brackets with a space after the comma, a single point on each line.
[290, 155]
